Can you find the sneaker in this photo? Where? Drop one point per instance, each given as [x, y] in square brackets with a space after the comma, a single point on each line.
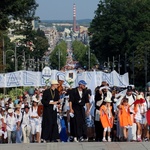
[109, 139]
[71, 139]
[104, 140]
[146, 139]
[139, 140]
[125, 139]
[81, 139]
[75, 139]
[86, 140]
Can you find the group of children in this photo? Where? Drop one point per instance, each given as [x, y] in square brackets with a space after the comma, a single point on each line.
[126, 114]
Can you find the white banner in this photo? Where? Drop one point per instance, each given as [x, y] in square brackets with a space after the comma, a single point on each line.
[93, 78]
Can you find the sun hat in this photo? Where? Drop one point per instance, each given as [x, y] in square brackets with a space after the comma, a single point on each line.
[82, 82]
[138, 97]
[18, 106]
[34, 99]
[107, 100]
[10, 110]
[54, 82]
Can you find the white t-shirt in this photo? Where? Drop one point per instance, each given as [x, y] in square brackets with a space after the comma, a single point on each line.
[140, 109]
[11, 122]
[26, 120]
[33, 112]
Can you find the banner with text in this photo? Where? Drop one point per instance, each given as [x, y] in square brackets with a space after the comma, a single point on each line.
[93, 78]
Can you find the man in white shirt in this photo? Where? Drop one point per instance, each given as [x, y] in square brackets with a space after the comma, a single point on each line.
[25, 125]
[11, 122]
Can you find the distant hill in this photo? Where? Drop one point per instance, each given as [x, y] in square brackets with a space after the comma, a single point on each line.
[82, 22]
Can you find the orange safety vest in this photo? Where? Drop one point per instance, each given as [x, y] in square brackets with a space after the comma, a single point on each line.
[124, 116]
[105, 120]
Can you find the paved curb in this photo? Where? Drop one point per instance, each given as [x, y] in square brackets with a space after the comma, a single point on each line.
[79, 146]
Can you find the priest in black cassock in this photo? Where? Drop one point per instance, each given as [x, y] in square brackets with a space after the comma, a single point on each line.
[78, 98]
[50, 101]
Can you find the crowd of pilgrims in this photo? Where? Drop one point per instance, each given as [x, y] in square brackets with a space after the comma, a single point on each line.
[62, 114]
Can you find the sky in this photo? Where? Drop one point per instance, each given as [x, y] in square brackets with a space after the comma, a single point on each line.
[63, 9]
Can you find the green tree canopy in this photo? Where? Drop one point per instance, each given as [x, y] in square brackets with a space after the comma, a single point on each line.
[119, 26]
[22, 10]
[81, 53]
[59, 55]
[38, 52]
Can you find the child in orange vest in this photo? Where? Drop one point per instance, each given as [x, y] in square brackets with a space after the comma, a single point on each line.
[124, 117]
[106, 118]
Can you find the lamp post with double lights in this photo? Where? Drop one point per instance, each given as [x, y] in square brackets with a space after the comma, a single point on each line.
[89, 53]
[114, 63]
[5, 56]
[33, 64]
[23, 61]
[107, 66]
[4, 63]
[40, 64]
[59, 54]
[89, 58]
[30, 64]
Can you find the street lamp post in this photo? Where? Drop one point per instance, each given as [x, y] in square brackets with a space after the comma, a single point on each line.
[4, 56]
[40, 63]
[113, 64]
[89, 57]
[58, 53]
[15, 57]
[31, 64]
[106, 66]
[4, 63]
[119, 65]
[145, 69]
[133, 67]
[17, 61]
[125, 63]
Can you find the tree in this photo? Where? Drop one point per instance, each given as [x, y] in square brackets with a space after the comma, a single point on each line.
[22, 10]
[118, 27]
[142, 63]
[37, 51]
[81, 53]
[18, 10]
[59, 55]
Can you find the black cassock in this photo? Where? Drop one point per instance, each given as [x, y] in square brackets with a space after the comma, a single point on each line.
[77, 123]
[49, 121]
